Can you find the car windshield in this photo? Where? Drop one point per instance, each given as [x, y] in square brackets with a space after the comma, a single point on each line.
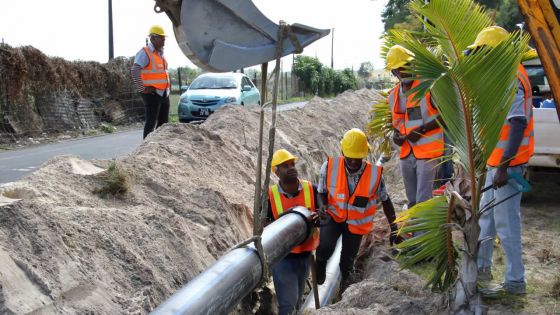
[536, 75]
[213, 83]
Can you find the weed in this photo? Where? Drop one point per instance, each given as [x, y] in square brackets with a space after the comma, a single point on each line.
[555, 290]
[116, 181]
[107, 128]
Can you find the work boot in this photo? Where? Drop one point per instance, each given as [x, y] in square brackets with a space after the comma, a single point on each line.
[321, 271]
[484, 274]
[502, 290]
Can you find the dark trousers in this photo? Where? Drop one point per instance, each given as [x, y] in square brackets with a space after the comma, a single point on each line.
[350, 246]
[156, 109]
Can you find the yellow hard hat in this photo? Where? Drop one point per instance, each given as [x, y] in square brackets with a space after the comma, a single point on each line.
[398, 56]
[280, 157]
[354, 144]
[156, 29]
[490, 36]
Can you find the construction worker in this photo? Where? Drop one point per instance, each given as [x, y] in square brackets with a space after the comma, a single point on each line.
[290, 274]
[349, 188]
[150, 77]
[416, 130]
[513, 151]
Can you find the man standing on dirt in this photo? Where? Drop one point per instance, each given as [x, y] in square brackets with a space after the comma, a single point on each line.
[416, 130]
[349, 188]
[289, 275]
[514, 149]
[150, 77]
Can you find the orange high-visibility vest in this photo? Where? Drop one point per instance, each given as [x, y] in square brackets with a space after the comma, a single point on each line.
[306, 198]
[405, 120]
[155, 72]
[359, 208]
[527, 146]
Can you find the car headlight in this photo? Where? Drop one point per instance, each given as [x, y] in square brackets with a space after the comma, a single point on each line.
[230, 100]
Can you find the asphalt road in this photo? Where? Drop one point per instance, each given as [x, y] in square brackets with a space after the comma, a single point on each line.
[15, 164]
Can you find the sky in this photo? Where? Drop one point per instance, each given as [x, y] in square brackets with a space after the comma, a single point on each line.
[77, 29]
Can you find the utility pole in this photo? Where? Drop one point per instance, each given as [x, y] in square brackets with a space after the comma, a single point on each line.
[332, 48]
[111, 54]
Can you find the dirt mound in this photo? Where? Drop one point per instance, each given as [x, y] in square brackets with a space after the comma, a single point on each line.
[67, 251]
[43, 94]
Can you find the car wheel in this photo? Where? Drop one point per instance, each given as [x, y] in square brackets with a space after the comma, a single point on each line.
[184, 120]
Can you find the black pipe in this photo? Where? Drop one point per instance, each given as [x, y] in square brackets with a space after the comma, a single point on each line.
[218, 289]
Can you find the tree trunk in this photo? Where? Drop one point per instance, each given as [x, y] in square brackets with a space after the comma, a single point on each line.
[467, 300]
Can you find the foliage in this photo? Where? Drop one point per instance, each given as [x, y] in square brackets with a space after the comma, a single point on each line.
[108, 128]
[322, 80]
[380, 127]
[366, 70]
[430, 221]
[116, 181]
[508, 15]
[473, 95]
[396, 11]
[397, 14]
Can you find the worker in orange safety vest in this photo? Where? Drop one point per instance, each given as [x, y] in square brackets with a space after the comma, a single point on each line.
[349, 189]
[416, 130]
[511, 154]
[290, 274]
[151, 79]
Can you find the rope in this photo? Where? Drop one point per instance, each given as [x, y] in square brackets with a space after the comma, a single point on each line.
[261, 195]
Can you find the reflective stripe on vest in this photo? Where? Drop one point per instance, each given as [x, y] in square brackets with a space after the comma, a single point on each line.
[155, 72]
[279, 203]
[527, 147]
[342, 206]
[431, 144]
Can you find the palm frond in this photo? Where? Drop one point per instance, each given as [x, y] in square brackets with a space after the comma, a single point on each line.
[454, 24]
[433, 241]
[380, 127]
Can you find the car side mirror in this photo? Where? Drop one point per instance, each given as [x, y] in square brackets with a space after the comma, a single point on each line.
[184, 88]
[246, 88]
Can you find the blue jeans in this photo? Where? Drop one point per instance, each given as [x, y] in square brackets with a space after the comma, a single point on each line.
[505, 220]
[289, 276]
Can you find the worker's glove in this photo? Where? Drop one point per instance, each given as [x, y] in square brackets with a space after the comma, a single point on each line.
[500, 177]
[314, 218]
[394, 238]
[415, 135]
[398, 138]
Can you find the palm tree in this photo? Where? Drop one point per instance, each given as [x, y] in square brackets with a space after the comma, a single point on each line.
[473, 94]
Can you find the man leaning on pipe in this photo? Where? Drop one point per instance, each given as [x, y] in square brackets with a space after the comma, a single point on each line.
[348, 190]
[289, 274]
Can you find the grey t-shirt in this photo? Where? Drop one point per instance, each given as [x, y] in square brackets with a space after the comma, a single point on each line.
[516, 109]
[353, 179]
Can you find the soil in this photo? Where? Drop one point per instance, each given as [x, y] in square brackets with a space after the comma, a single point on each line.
[66, 250]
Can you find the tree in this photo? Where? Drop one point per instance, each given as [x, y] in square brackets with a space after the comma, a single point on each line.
[473, 95]
[508, 15]
[366, 70]
[308, 69]
[396, 11]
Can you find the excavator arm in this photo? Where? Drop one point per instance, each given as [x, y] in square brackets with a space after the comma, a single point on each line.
[543, 20]
[225, 35]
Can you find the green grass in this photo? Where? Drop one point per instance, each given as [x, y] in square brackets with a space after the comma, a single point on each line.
[173, 106]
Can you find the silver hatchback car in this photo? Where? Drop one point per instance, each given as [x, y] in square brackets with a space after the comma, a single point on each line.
[210, 91]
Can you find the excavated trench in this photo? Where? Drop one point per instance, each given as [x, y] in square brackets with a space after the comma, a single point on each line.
[66, 250]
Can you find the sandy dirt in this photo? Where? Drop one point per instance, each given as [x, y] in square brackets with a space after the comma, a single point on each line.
[65, 250]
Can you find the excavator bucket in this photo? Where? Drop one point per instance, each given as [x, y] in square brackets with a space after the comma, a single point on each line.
[225, 35]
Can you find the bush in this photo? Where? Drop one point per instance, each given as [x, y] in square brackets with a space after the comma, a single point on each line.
[116, 181]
